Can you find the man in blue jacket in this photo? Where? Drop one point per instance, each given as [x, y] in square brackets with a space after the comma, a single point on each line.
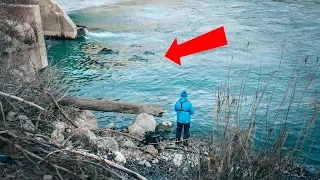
[184, 110]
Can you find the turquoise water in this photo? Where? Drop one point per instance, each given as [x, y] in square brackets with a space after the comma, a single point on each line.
[256, 32]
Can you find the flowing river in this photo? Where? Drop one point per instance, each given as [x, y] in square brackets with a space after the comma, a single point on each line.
[260, 34]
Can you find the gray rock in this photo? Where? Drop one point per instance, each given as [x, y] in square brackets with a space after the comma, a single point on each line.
[136, 58]
[57, 136]
[155, 161]
[84, 134]
[47, 177]
[119, 157]
[165, 126]
[86, 120]
[107, 143]
[60, 126]
[26, 123]
[143, 123]
[12, 116]
[152, 150]
[128, 144]
[141, 163]
[177, 160]
[147, 164]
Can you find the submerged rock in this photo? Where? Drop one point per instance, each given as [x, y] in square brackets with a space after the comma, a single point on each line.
[108, 51]
[111, 126]
[148, 53]
[136, 58]
[134, 45]
[142, 124]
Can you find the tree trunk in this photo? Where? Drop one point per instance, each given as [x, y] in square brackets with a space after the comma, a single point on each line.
[111, 106]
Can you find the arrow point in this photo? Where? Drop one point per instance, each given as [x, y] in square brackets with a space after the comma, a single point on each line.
[173, 52]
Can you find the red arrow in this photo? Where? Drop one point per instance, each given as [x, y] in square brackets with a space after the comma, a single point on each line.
[210, 40]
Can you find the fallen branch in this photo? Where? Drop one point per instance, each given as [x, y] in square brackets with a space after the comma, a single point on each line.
[63, 113]
[106, 169]
[26, 152]
[110, 163]
[185, 150]
[21, 100]
[112, 106]
[114, 131]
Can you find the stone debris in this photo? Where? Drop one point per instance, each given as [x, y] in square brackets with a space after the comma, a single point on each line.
[152, 150]
[177, 160]
[84, 134]
[119, 157]
[155, 161]
[128, 144]
[107, 143]
[47, 177]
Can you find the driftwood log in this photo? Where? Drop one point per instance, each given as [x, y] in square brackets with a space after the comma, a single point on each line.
[112, 106]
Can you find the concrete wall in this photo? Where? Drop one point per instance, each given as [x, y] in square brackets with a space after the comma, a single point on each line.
[55, 21]
[23, 49]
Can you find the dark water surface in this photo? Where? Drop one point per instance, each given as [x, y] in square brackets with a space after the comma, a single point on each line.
[256, 33]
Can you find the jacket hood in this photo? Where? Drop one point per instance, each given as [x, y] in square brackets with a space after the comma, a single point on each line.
[184, 94]
[183, 99]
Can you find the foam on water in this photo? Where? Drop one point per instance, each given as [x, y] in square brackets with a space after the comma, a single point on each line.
[106, 34]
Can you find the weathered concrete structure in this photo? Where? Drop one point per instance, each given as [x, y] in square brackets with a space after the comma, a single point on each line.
[23, 25]
[55, 21]
[22, 41]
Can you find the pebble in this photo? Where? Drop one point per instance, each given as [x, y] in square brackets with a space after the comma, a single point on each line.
[47, 177]
[147, 164]
[155, 161]
[141, 163]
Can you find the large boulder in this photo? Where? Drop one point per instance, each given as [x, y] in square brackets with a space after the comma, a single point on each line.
[86, 120]
[142, 124]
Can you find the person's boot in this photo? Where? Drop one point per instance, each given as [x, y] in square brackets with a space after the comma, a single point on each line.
[178, 141]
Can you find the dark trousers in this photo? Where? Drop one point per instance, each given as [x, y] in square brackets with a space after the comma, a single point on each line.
[186, 127]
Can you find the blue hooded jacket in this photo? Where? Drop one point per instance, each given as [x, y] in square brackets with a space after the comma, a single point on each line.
[184, 109]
